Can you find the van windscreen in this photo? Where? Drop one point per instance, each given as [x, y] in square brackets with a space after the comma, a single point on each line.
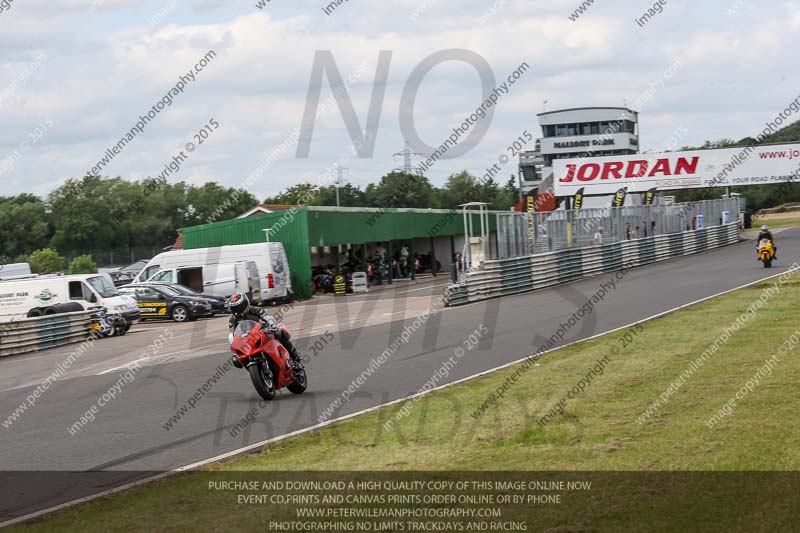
[104, 288]
[149, 271]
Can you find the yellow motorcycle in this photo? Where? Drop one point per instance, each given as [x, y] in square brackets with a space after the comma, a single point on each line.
[766, 252]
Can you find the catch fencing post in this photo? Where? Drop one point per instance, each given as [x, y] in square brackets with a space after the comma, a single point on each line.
[413, 260]
[433, 256]
[453, 266]
[364, 257]
[390, 258]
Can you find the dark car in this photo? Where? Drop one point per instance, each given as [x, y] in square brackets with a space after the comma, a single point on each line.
[217, 303]
[125, 275]
[160, 301]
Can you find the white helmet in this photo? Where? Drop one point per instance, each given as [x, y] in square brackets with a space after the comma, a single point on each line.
[764, 228]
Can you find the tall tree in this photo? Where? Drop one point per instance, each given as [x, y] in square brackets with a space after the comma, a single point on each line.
[213, 202]
[349, 196]
[81, 210]
[398, 189]
[506, 197]
[458, 189]
[23, 225]
[302, 193]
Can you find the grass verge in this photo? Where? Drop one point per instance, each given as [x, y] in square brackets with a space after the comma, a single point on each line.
[601, 430]
[775, 223]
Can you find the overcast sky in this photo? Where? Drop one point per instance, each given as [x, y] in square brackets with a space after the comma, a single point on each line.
[75, 75]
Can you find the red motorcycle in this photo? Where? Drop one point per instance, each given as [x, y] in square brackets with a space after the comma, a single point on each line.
[266, 360]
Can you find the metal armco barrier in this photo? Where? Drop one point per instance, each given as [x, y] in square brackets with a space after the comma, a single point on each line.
[33, 334]
[511, 276]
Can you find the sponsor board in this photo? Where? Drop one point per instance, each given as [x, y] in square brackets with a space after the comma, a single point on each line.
[641, 173]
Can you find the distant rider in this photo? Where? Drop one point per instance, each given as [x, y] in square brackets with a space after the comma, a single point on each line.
[766, 234]
[241, 309]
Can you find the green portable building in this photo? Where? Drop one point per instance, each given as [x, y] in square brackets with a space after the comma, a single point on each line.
[301, 228]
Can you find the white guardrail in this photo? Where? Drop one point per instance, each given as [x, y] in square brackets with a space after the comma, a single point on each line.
[502, 277]
[32, 334]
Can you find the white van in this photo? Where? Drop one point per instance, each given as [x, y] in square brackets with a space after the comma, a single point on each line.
[219, 280]
[269, 257]
[49, 295]
[15, 270]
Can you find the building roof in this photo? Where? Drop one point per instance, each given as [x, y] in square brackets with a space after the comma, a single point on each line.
[588, 109]
[418, 210]
[266, 208]
[178, 241]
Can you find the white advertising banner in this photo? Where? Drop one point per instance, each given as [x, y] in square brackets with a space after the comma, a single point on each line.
[678, 170]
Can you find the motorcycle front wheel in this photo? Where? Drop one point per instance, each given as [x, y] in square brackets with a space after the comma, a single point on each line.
[300, 383]
[263, 381]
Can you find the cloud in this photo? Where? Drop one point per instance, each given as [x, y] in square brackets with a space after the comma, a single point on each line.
[107, 67]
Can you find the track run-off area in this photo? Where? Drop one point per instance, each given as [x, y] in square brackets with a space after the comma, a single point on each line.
[175, 402]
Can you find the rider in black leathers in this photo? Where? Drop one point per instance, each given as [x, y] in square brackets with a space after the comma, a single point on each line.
[766, 234]
[241, 309]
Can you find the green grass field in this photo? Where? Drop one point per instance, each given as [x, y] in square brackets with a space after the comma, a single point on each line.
[775, 223]
[597, 432]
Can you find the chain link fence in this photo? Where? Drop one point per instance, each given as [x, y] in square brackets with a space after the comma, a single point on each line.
[521, 234]
[117, 257]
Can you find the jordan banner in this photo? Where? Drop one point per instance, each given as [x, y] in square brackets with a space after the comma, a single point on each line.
[726, 167]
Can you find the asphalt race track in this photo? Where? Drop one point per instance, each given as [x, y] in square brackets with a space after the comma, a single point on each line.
[44, 465]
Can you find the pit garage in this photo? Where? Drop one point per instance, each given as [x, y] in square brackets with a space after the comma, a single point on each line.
[342, 239]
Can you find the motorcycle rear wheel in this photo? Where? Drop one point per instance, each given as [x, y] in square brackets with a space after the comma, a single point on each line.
[263, 380]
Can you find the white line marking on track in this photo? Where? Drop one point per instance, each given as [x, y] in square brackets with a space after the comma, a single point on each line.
[425, 288]
[126, 366]
[122, 367]
[251, 447]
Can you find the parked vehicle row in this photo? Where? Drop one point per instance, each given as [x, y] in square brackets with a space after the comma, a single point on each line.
[261, 270]
[179, 285]
[33, 296]
[220, 280]
[216, 303]
[173, 301]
